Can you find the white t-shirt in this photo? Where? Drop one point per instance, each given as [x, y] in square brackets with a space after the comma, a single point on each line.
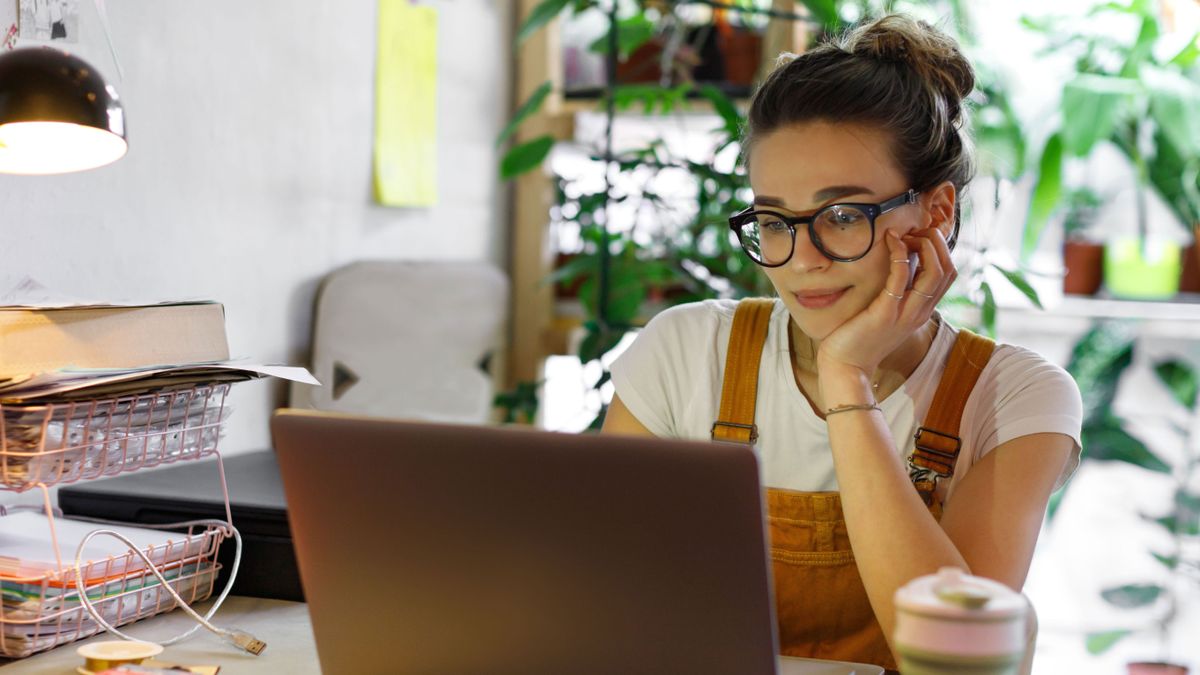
[670, 379]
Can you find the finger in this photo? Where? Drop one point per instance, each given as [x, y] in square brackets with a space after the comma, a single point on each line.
[950, 272]
[930, 263]
[898, 272]
[930, 276]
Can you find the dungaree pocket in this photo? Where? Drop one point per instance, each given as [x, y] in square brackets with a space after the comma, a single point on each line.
[821, 605]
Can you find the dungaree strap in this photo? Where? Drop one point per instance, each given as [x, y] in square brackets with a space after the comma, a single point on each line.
[739, 391]
[937, 440]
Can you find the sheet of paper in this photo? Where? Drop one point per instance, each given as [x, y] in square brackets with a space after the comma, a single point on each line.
[406, 105]
[26, 548]
[42, 386]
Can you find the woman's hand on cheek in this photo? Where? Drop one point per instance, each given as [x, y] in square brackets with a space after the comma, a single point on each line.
[864, 340]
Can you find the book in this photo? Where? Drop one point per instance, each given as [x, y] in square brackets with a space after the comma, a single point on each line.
[39, 340]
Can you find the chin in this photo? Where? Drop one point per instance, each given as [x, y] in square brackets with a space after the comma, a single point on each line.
[819, 323]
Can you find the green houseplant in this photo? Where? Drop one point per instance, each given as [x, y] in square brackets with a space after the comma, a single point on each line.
[1099, 363]
[1124, 94]
[620, 273]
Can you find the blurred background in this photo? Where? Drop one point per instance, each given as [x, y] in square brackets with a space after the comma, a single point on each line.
[1078, 241]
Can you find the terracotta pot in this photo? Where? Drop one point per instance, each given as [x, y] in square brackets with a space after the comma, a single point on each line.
[742, 50]
[1189, 279]
[1084, 262]
[1155, 668]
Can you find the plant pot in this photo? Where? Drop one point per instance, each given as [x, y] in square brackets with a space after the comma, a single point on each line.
[1144, 272]
[742, 51]
[1189, 278]
[1155, 668]
[1084, 263]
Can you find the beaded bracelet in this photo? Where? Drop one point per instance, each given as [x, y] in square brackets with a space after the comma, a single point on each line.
[847, 408]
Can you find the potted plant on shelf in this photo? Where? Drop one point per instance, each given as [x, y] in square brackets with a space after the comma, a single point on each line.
[1083, 250]
[1124, 94]
[1099, 362]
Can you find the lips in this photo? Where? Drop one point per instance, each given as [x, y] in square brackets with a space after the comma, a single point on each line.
[819, 298]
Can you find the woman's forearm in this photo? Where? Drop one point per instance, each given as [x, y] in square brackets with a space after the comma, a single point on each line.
[894, 537]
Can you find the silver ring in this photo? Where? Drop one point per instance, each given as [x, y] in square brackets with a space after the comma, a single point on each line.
[923, 295]
[898, 297]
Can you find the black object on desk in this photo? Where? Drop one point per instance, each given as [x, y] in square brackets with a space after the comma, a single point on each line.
[190, 490]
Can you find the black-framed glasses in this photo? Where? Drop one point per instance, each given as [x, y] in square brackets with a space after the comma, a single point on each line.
[841, 232]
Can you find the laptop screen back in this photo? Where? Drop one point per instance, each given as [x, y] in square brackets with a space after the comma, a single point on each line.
[429, 548]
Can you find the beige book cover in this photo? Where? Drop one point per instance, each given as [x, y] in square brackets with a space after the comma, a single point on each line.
[42, 340]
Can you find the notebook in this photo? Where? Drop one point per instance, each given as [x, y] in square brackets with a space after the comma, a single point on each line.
[433, 548]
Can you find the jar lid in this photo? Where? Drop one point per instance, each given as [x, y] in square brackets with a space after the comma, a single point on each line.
[953, 593]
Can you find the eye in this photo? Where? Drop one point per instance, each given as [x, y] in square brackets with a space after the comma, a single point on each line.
[844, 216]
[770, 224]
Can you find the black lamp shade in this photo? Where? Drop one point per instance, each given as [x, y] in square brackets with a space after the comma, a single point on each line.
[56, 114]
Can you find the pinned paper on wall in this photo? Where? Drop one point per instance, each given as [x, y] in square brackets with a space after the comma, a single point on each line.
[406, 105]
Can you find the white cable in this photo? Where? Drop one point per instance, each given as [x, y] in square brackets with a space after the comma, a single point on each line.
[239, 638]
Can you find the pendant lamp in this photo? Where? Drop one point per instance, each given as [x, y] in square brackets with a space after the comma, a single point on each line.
[56, 114]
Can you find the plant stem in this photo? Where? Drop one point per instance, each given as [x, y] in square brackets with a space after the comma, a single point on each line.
[610, 85]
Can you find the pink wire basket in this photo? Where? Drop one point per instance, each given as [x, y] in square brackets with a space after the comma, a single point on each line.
[56, 443]
[43, 610]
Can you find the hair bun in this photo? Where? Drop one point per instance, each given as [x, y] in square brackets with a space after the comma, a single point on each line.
[930, 53]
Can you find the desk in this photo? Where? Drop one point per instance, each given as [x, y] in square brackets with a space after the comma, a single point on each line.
[284, 626]
[287, 630]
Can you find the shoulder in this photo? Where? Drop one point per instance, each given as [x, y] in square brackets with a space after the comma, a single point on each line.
[1018, 370]
[694, 314]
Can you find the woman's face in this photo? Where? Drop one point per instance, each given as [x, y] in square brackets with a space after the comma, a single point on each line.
[800, 168]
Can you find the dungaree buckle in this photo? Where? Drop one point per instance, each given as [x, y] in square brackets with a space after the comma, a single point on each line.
[752, 428]
[943, 457]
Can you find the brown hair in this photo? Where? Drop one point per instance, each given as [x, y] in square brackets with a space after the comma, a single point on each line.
[900, 75]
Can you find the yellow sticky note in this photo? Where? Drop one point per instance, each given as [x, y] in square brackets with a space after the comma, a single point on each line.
[406, 105]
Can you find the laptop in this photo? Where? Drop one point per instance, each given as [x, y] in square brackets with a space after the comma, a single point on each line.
[433, 548]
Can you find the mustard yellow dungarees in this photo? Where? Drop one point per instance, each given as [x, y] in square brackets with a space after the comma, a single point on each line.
[821, 604]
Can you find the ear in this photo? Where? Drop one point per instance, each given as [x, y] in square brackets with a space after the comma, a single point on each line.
[939, 205]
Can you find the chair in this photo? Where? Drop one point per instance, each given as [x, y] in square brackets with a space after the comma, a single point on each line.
[406, 340]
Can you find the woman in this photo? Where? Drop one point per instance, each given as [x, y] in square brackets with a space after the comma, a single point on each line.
[857, 161]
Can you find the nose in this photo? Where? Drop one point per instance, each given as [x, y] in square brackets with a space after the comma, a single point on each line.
[806, 256]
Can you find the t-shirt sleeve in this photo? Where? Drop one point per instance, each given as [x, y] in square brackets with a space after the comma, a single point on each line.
[1026, 394]
[653, 374]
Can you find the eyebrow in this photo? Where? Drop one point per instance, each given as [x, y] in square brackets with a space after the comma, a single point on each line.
[822, 195]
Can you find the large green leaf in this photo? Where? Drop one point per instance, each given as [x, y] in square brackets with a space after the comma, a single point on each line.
[1098, 643]
[597, 341]
[725, 108]
[526, 156]
[632, 32]
[1142, 51]
[529, 107]
[1045, 195]
[1174, 100]
[987, 310]
[1187, 56]
[1098, 361]
[1090, 107]
[1132, 596]
[1180, 379]
[1187, 527]
[1017, 279]
[540, 16]
[825, 11]
[1110, 443]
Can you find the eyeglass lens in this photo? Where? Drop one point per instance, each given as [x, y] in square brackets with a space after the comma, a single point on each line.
[840, 231]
